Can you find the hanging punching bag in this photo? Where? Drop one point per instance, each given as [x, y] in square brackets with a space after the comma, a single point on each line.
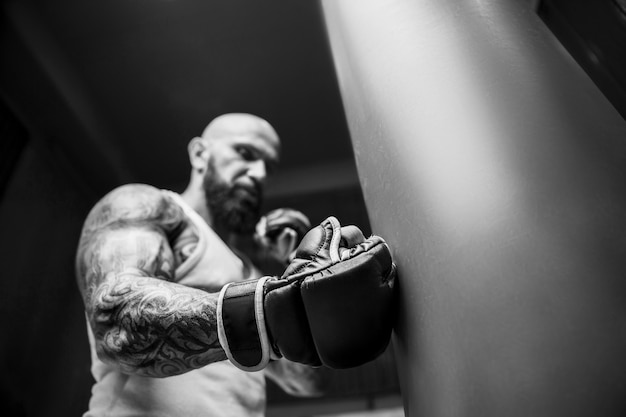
[496, 170]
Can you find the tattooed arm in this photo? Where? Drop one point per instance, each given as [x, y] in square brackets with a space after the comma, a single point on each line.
[142, 321]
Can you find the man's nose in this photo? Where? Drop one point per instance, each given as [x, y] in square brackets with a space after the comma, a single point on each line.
[258, 171]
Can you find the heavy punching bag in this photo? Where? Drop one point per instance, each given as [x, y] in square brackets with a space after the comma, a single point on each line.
[496, 170]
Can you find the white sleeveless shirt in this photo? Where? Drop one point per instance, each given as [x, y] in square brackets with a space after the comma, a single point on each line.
[219, 389]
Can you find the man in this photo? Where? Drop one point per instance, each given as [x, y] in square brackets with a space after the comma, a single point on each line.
[167, 299]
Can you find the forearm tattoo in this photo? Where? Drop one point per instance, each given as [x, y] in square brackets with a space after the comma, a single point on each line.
[155, 328]
[142, 321]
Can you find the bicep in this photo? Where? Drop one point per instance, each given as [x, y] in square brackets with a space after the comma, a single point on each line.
[141, 250]
[113, 252]
[126, 230]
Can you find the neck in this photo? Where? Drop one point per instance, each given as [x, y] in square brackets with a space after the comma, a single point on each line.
[196, 198]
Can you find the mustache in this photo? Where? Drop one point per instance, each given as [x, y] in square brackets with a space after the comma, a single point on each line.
[251, 185]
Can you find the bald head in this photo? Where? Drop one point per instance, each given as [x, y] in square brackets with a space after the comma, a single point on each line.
[240, 124]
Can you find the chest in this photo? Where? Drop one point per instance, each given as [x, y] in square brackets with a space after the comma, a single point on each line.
[204, 261]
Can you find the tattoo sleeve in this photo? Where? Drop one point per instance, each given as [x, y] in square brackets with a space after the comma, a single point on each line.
[142, 321]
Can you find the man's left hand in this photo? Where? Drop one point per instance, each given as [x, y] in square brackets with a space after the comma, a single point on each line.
[279, 232]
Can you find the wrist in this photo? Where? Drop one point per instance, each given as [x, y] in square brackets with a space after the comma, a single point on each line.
[242, 328]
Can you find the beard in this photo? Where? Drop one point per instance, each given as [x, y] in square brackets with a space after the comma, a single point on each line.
[236, 207]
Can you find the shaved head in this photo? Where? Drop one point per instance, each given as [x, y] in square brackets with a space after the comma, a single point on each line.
[235, 124]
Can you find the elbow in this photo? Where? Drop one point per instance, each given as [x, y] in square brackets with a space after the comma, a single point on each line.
[122, 347]
[112, 348]
[116, 348]
[130, 357]
[132, 364]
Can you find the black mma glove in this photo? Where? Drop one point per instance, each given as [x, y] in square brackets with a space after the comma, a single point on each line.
[332, 306]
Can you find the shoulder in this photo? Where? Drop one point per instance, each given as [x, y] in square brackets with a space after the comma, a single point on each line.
[131, 222]
[130, 201]
[134, 204]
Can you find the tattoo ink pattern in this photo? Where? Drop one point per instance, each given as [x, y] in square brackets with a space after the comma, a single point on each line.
[143, 322]
[155, 328]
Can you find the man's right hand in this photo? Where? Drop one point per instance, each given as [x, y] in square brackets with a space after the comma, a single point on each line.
[332, 306]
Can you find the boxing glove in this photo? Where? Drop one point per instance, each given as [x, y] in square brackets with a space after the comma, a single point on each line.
[332, 306]
[279, 232]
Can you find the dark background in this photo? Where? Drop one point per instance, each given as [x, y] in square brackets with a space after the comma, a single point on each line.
[94, 94]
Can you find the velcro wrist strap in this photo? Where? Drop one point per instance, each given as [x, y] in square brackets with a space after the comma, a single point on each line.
[241, 324]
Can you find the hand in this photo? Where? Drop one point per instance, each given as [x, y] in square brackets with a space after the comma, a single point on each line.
[332, 306]
[279, 232]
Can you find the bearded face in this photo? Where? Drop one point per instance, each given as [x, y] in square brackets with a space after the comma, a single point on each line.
[236, 205]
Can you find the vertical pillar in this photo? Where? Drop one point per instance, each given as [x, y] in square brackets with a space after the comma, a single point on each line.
[496, 170]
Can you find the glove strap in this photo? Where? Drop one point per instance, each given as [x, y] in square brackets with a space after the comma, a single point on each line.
[241, 324]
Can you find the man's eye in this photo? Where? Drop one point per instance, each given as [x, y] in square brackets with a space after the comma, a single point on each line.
[245, 153]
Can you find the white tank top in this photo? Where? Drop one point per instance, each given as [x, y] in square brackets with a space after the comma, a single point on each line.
[219, 389]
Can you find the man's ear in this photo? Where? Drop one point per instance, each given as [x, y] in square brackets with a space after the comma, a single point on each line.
[198, 153]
